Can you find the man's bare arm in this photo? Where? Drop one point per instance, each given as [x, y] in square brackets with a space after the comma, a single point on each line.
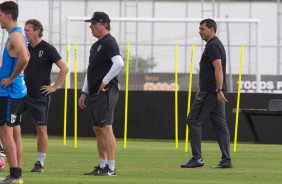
[18, 49]
[60, 79]
[219, 80]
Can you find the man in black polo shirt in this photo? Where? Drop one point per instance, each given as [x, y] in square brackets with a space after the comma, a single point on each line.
[101, 87]
[37, 79]
[210, 99]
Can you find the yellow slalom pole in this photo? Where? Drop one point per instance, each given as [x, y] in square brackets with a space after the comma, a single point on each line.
[66, 97]
[75, 94]
[238, 96]
[189, 94]
[126, 92]
[176, 94]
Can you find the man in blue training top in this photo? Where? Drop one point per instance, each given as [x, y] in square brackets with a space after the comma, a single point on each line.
[12, 90]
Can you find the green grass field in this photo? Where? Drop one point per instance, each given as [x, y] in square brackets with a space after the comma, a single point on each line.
[151, 161]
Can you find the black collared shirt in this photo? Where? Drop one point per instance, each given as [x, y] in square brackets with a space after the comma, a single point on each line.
[213, 50]
[37, 72]
[100, 62]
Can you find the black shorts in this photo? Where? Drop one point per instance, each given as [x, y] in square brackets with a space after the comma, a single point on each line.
[10, 111]
[37, 109]
[102, 106]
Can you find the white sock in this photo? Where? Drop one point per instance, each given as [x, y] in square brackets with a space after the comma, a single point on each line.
[111, 164]
[102, 163]
[41, 157]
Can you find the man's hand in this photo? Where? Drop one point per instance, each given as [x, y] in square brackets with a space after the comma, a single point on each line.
[103, 87]
[6, 82]
[48, 89]
[221, 98]
[82, 100]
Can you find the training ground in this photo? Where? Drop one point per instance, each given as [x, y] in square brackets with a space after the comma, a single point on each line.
[151, 161]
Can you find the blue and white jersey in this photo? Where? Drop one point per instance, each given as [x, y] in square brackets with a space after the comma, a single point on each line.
[18, 88]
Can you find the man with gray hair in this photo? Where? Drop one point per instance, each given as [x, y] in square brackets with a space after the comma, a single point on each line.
[39, 88]
[101, 88]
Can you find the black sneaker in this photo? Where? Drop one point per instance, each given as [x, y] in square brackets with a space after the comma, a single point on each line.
[10, 179]
[38, 167]
[193, 163]
[106, 172]
[97, 169]
[223, 165]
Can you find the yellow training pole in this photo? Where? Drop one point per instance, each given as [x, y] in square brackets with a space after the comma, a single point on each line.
[126, 92]
[66, 97]
[176, 94]
[75, 94]
[238, 96]
[189, 94]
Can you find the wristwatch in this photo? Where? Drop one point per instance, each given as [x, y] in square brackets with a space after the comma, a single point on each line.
[218, 90]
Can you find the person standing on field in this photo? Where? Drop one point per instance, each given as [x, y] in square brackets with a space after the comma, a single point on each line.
[37, 77]
[101, 88]
[12, 90]
[2, 154]
[210, 99]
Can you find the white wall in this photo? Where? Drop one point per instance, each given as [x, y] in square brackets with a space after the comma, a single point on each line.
[167, 34]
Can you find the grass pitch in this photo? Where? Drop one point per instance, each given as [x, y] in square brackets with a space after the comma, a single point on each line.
[151, 161]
